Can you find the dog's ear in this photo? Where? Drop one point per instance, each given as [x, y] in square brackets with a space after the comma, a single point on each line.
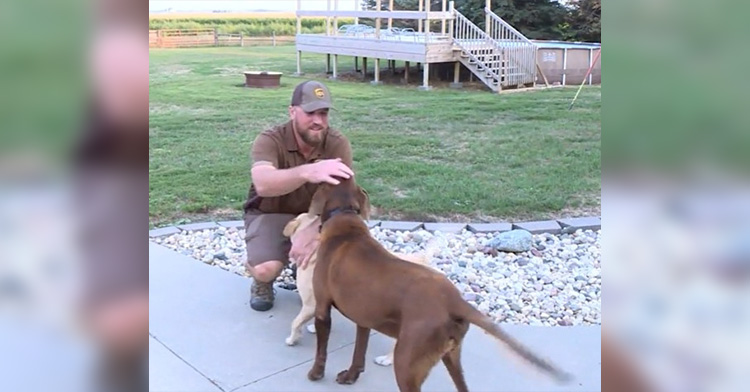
[291, 227]
[363, 199]
[319, 199]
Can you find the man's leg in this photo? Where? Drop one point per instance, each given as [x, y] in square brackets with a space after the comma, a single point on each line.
[267, 254]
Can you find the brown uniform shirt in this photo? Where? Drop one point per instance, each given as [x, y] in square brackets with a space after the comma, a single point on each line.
[278, 146]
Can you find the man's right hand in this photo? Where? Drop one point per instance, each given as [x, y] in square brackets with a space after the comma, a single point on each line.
[327, 170]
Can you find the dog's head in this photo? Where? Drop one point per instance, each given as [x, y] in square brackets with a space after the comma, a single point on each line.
[299, 223]
[347, 196]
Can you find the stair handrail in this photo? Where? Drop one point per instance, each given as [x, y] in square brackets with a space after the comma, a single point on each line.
[507, 25]
[461, 19]
[528, 64]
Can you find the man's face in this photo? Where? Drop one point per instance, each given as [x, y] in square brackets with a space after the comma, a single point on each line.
[312, 126]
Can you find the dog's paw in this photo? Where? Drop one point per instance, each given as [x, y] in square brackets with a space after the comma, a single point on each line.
[347, 376]
[316, 373]
[291, 340]
[311, 328]
[384, 360]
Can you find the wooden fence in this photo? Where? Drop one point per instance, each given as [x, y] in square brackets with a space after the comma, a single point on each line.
[196, 38]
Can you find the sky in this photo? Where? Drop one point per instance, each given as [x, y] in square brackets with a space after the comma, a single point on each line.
[246, 5]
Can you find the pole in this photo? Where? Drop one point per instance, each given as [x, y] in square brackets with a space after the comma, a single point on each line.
[584, 78]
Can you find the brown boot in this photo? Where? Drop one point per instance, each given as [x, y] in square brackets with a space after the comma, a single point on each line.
[261, 296]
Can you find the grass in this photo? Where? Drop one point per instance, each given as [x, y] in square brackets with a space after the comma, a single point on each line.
[442, 155]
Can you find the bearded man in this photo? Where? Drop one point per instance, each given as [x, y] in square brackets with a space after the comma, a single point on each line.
[288, 163]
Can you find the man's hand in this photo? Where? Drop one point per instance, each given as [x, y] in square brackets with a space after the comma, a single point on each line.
[327, 170]
[304, 244]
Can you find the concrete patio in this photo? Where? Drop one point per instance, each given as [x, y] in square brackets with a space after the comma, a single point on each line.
[205, 337]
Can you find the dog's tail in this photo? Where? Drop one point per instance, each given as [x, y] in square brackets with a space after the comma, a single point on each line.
[474, 316]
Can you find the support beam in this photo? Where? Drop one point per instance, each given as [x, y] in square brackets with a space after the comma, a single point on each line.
[406, 72]
[335, 67]
[299, 63]
[356, 64]
[364, 67]
[328, 63]
[456, 76]
[377, 81]
[425, 77]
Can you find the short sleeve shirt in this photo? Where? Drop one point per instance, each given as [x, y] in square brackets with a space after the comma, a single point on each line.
[278, 147]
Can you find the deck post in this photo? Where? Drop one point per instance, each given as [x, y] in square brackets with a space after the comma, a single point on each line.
[336, 18]
[335, 66]
[328, 63]
[456, 76]
[390, 8]
[442, 25]
[356, 7]
[356, 64]
[425, 77]
[328, 18]
[421, 7]
[377, 20]
[487, 4]
[299, 63]
[427, 23]
[299, 30]
[451, 27]
[377, 81]
[364, 67]
[299, 20]
[406, 72]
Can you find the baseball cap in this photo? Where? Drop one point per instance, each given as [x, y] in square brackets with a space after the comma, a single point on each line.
[311, 96]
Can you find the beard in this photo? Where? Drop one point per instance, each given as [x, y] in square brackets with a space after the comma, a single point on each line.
[311, 138]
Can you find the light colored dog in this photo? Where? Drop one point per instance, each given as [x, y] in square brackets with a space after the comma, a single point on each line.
[305, 280]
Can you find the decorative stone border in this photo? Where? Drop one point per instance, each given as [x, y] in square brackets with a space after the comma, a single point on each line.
[566, 225]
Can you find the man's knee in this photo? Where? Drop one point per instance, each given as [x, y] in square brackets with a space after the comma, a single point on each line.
[267, 271]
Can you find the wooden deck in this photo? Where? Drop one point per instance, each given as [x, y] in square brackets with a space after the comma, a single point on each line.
[416, 48]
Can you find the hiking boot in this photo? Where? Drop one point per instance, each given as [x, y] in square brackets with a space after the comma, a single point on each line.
[261, 296]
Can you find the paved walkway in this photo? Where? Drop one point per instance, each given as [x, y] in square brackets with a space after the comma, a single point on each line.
[205, 337]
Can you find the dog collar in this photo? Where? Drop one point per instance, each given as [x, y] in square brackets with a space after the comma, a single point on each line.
[336, 211]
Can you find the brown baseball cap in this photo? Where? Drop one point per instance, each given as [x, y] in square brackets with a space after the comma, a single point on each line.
[312, 96]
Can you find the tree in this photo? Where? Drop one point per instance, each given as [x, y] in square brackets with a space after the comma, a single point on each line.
[585, 20]
[536, 19]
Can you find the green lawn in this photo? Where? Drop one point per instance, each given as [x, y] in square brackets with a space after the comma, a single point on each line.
[442, 155]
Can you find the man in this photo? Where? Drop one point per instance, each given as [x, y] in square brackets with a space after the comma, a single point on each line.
[288, 161]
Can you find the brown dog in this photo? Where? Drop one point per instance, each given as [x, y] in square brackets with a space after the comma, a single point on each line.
[418, 306]
[305, 279]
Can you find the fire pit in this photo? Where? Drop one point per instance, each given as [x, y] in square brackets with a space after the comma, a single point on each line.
[262, 79]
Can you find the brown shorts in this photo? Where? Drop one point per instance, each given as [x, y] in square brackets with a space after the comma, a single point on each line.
[265, 239]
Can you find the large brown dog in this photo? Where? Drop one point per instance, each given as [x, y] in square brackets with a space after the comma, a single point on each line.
[305, 221]
[419, 307]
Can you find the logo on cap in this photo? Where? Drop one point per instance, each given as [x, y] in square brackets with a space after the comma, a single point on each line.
[319, 92]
